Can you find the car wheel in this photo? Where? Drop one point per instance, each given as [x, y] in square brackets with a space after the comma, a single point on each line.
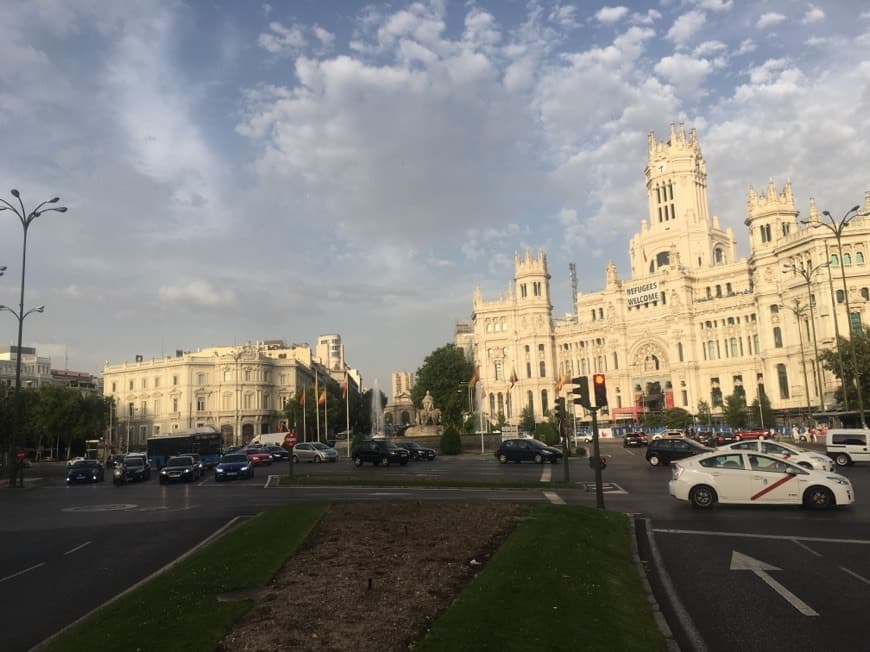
[842, 459]
[385, 461]
[818, 498]
[539, 459]
[654, 460]
[503, 458]
[702, 496]
[357, 461]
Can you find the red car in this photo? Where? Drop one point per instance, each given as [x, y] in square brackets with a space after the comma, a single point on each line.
[750, 433]
[259, 456]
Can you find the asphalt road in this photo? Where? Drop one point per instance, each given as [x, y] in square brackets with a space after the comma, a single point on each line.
[65, 550]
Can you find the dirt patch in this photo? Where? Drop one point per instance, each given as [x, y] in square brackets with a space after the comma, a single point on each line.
[374, 576]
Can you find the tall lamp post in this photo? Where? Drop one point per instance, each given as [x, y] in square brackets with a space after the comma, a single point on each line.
[798, 311]
[26, 220]
[806, 273]
[836, 227]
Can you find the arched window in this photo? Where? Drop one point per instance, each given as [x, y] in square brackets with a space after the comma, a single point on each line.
[774, 309]
[777, 337]
[492, 403]
[718, 257]
[500, 403]
[859, 258]
[840, 296]
[835, 261]
[865, 294]
[847, 259]
[545, 403]
[531, 402]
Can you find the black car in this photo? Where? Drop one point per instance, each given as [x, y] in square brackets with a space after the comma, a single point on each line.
[661, 452]
[197, 462]
[136, 468]
[181, 468]
[418, 452]
[379, 452]
[233, 466]
[527, 450]
[84, 471]
[635, 439]
[279, 453]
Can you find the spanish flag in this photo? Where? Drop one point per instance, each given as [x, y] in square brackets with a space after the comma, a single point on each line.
[560, 383]
[513, 378]
[475, 376]
[322, 398]
[301, 396]
[344, 389]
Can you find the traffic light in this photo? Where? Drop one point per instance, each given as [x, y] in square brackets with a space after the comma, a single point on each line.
[560, 410]
[600, 390]
[581, 391]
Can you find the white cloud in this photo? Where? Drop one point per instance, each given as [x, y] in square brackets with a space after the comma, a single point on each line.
[716, 5]
[648, 18]
[282, 40]
[199, 292]
[326, 38]
[610, 15]
[746, 46]
[813, 15]
[769, 19]
[709, 47]
[686, 26]
[685, 72]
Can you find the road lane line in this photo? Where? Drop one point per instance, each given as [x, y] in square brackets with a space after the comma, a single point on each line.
[748, 535]
[554, 498]
[26, 570]
[806, 547]
[855, 575]
[546, 473]
[269, 481]
[790, 597]
[69, 552]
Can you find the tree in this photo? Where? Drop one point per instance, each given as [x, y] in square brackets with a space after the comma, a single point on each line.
[831, 361]
[444, 374]
[761, 412]
[547, 433]
[734, 411]
[677, 418]
[705, 414]
[451, 442]
[527, 420]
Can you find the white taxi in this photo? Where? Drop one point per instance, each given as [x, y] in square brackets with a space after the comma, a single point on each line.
[743, 477]
[800, 456]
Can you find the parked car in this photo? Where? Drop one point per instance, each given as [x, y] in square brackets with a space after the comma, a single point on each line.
[847, 446]
[527, 450]
[583, 438]
[379, 452]
[200, 466]
[278, 453]
[418, 452]
[233, 466]
[666, 450]
[669, 434]
[180, 468]
[259, 456]
[635, 439]
[800, 456]
[85, 471]
[135, 468]
[750, 433]
[314, 451]
[741, 477]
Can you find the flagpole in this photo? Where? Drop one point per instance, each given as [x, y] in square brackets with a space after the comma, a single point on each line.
[317, 403]
[304, 425]
[325, 420]
[347, 410]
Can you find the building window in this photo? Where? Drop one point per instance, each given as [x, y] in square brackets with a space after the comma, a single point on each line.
[536, 288]
[777, 337]
[865, 294]
[144, 383]
[680, 351]
[114, 388]
[528, 370]
[835, 261]
[685, 396]
[131, 386]
[175, 405]
[782, 376]
[545, 404]
[200, 403]
[711, 349]
[174, 381]
[859, 258]
[840, 296]
[200, 379]
[715, 393]
[847, 260]
[247, 374]
[157, 382]
[523, 292]
[543, 369]
[143, 407]
[499, 370]
[615, 360]
[774, 309]
[531, 404]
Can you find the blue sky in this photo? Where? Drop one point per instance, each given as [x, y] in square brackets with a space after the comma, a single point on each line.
[238, 171]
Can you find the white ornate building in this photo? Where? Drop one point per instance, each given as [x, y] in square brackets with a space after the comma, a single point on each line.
[693, 322]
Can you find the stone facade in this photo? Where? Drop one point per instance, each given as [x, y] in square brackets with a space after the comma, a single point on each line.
[692, 323]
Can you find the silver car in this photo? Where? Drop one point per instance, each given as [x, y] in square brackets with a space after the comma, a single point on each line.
[314, 451]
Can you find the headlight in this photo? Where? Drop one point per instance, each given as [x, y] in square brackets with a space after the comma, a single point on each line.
[186, 471]
[163, 472]
[218, 470]
[843, 481]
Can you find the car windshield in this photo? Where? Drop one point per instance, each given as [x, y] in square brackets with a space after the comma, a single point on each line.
[319, 446]
[134, 461]
[179, 461]
[230, 459]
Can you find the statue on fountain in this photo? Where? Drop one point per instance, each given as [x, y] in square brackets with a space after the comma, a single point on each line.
[429, 414]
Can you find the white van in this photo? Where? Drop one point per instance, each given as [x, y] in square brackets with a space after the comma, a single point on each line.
[848, 445]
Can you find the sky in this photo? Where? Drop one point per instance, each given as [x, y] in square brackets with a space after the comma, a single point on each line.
[237, 171]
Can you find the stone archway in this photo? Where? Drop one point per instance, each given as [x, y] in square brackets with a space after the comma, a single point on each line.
[649, 366]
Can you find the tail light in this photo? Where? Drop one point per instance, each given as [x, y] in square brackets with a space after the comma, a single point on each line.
[676, 470]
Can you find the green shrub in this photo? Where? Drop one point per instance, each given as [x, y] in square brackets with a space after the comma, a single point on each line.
[546, 432]
[450, 444]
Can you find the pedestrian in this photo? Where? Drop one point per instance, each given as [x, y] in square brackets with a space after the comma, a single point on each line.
[795, 435]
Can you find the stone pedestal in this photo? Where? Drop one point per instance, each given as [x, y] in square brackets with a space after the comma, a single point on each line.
[423, 431]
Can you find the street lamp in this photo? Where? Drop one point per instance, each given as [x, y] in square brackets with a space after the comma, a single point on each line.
[807, 272]
[798, 311]
[26, 220]
[836, 228]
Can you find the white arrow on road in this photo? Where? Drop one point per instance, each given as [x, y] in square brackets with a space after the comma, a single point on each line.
[740, 561]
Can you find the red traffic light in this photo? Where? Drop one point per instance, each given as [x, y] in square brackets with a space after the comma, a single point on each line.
[600, 383]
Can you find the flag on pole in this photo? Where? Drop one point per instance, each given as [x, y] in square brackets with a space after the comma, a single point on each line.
[322, 399]
[344, 389]
[301, 396]
[561, 383]
[513, 378]
[475, 376]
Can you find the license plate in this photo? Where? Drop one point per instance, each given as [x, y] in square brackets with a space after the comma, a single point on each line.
[174, 475]
[80, 477]
[232, 473]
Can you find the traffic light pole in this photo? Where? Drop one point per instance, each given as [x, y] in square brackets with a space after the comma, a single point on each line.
[596, 460]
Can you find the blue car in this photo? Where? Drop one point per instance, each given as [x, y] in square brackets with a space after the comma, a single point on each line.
[233, 466]
[85, 471]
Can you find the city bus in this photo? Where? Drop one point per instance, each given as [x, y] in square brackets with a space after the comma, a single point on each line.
[205, 441]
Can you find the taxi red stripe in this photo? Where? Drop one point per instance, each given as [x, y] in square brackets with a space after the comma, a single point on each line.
[773, 486]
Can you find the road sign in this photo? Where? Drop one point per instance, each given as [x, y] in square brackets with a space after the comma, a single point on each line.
[20, 455]
[290, 439]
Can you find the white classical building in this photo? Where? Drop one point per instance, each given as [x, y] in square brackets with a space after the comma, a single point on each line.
[239, 390]
[693, 322]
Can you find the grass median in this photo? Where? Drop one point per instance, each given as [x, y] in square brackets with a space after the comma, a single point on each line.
[179, 609]
[360, 480]
[563, 580]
